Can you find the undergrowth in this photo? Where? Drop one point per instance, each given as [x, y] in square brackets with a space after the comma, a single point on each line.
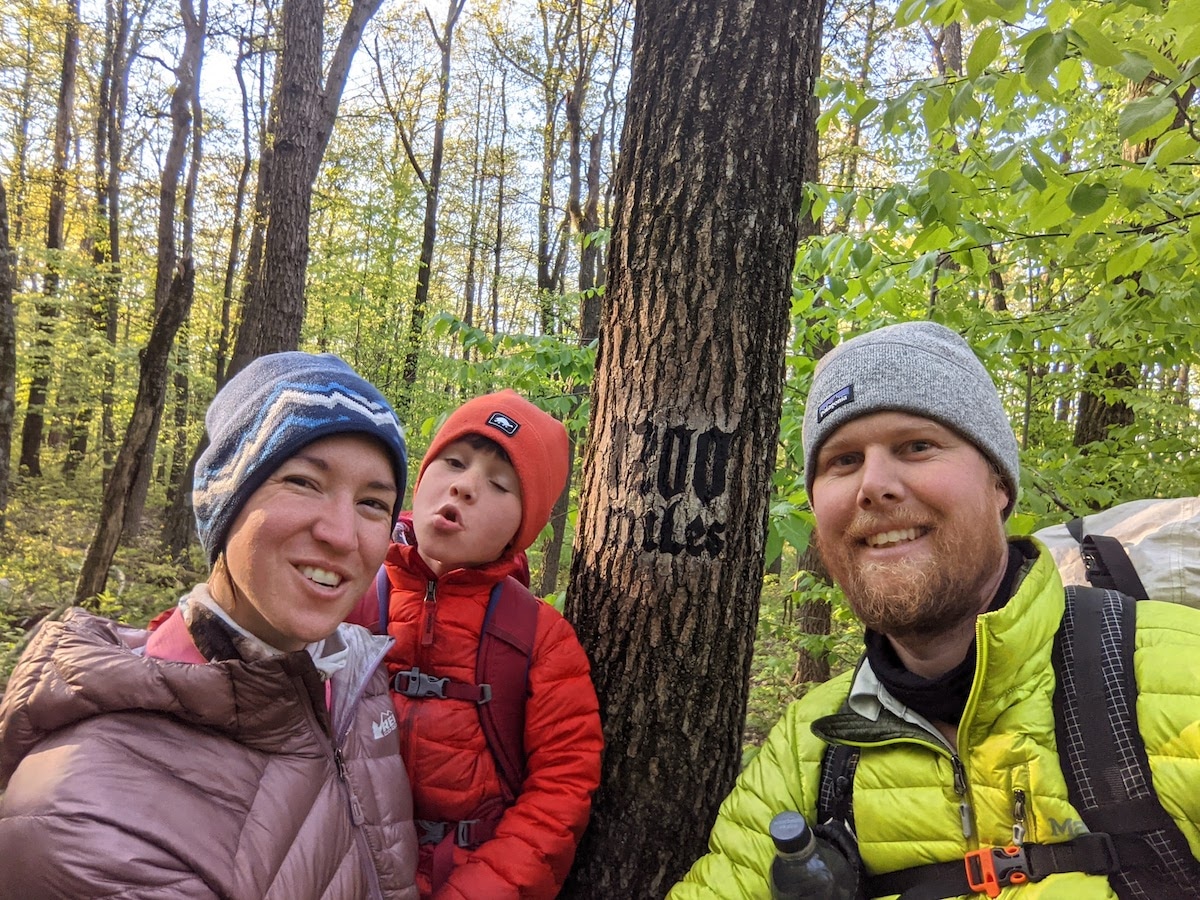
[774, 678]
[49, 524]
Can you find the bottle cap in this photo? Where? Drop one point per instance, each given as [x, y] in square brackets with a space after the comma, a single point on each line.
[790, 832]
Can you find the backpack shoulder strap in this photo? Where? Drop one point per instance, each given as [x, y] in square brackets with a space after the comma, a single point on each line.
[835, 793]
[1108, 566]
[1103, 757]
[505, 650]
[383, 589]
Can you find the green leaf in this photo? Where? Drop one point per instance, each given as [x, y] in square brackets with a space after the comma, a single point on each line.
[1043, 56]
[935, 111]
[983, 51]
[1033, 175]
[1096, 45]
[864, 109]
[1006, 90]
[1087, 197]
[1172, 148]
[1145, 118]
[939, 183]
[1132, 196]
[964, 105]
[1135, 67]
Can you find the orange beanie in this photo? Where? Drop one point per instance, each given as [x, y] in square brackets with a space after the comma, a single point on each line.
[535, 442]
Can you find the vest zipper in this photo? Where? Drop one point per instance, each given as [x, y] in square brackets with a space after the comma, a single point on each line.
[430, 613]
[960, 788]
[1018, 817]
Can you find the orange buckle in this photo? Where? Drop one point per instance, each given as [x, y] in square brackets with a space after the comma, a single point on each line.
[991, 868]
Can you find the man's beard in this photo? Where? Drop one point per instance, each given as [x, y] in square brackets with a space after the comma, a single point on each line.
[927, 595]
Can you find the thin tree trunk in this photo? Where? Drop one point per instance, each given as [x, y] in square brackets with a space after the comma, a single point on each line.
[43, 343]
[172, 309]
[685, 409]
[432, 184]
[8, 353]
[177, 520]
[500, 185]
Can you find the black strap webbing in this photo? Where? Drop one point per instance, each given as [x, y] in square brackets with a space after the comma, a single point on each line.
[1093, 854]
[1103, 756]
[1109, 566]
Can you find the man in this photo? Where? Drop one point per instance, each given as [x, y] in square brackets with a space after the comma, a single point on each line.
[912, 469]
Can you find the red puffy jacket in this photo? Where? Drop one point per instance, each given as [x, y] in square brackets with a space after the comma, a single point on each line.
[437, 624]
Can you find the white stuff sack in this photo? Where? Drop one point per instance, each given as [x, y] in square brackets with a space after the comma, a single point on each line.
[1162, 538]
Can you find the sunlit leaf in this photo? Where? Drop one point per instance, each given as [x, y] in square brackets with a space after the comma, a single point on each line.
[1087, 197]
[1033, 175]
[1145, 117]
[1043, 56]
[1095, 45]
[983, 51]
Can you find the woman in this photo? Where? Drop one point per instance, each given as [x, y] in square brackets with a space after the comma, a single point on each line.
[247, 748]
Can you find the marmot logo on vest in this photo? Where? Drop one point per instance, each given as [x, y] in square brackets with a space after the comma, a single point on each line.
[385, 726]
[503, 422]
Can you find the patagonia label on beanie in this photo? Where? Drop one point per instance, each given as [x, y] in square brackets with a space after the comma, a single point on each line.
[835, 401]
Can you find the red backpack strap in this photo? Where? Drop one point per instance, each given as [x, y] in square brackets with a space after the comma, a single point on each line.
[505, 650]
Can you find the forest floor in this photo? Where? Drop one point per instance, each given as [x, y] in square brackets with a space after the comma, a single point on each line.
[50, 522]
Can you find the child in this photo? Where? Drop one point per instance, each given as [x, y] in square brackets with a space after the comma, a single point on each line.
[484, 492]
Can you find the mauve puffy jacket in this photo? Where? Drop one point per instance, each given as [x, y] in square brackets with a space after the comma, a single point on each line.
[136, 777]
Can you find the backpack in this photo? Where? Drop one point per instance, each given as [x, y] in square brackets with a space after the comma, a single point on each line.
[1130, 838]
[502, 676]
[1150, 549]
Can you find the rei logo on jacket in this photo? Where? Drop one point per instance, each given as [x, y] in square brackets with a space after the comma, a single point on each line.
[385, 726]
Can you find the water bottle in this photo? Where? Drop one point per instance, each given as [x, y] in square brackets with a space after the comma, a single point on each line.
[806, 868]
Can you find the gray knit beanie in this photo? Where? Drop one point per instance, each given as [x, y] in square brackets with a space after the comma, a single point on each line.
[921, 368]
[267, 412]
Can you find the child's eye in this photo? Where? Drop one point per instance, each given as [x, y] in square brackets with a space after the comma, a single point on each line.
[501, 487]
[453, 462]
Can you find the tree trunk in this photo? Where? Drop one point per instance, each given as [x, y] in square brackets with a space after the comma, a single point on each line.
[1098, 414]
[584, 214]
[177, 520]
[686, 403]
[172, 308]
[305, 109]
[8, 353]
[137, 449]
[813, 616]
[40, 359]
[432, 184]
[104, 292]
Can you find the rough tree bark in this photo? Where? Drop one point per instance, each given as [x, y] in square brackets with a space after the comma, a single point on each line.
[685, 416]
[305, 111]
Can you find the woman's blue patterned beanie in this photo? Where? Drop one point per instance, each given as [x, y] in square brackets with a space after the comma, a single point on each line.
[265, 414]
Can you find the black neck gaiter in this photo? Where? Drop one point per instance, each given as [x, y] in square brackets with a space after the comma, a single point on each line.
[940, 699]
